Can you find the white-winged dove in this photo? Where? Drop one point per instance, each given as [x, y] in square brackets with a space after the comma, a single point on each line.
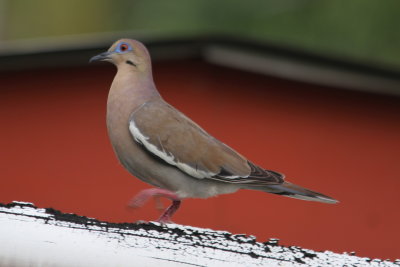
[162, 147]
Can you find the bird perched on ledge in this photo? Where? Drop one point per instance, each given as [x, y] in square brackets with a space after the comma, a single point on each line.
[164, 148]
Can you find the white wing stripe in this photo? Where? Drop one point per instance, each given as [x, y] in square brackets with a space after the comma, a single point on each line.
[168, 157]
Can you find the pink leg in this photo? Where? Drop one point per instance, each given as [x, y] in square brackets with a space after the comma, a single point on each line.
[166, 216]
[144, 195]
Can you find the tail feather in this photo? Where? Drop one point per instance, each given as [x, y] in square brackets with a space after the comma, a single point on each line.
[291, 190]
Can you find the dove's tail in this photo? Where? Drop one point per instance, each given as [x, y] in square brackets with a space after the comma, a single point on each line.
[291, 190]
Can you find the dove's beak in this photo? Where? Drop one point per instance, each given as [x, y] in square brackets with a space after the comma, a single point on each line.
[102, 57]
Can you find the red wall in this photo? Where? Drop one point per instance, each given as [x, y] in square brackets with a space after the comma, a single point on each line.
[54, 151]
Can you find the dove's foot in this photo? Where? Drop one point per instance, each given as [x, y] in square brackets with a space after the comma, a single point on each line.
[144, 196]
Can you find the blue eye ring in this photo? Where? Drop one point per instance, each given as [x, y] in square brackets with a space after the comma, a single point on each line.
[123, 48]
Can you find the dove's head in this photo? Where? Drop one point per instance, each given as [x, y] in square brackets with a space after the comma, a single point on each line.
[127, 53]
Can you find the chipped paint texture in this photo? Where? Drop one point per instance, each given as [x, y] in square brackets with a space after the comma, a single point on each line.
[31, 236]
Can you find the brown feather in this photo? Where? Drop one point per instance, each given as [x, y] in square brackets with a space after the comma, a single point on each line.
[175, 134]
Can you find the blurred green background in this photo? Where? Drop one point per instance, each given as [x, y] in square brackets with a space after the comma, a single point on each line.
[359, 30]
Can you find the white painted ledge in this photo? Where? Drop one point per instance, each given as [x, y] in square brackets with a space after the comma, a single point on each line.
[31, 236]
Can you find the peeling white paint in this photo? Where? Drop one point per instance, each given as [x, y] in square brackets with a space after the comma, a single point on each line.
[31, 236]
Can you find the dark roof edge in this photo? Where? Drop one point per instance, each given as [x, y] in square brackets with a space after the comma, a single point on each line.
[261, 57]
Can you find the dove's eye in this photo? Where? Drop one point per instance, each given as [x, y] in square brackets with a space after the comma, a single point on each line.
[123, 47]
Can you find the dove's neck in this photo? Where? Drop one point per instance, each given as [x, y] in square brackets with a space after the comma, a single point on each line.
[129, 90]
[133, 87]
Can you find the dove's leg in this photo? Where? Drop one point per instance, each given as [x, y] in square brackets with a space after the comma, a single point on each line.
[144, 195]
[166, 216]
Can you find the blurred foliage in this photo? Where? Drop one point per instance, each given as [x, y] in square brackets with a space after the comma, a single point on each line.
[366, 30]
